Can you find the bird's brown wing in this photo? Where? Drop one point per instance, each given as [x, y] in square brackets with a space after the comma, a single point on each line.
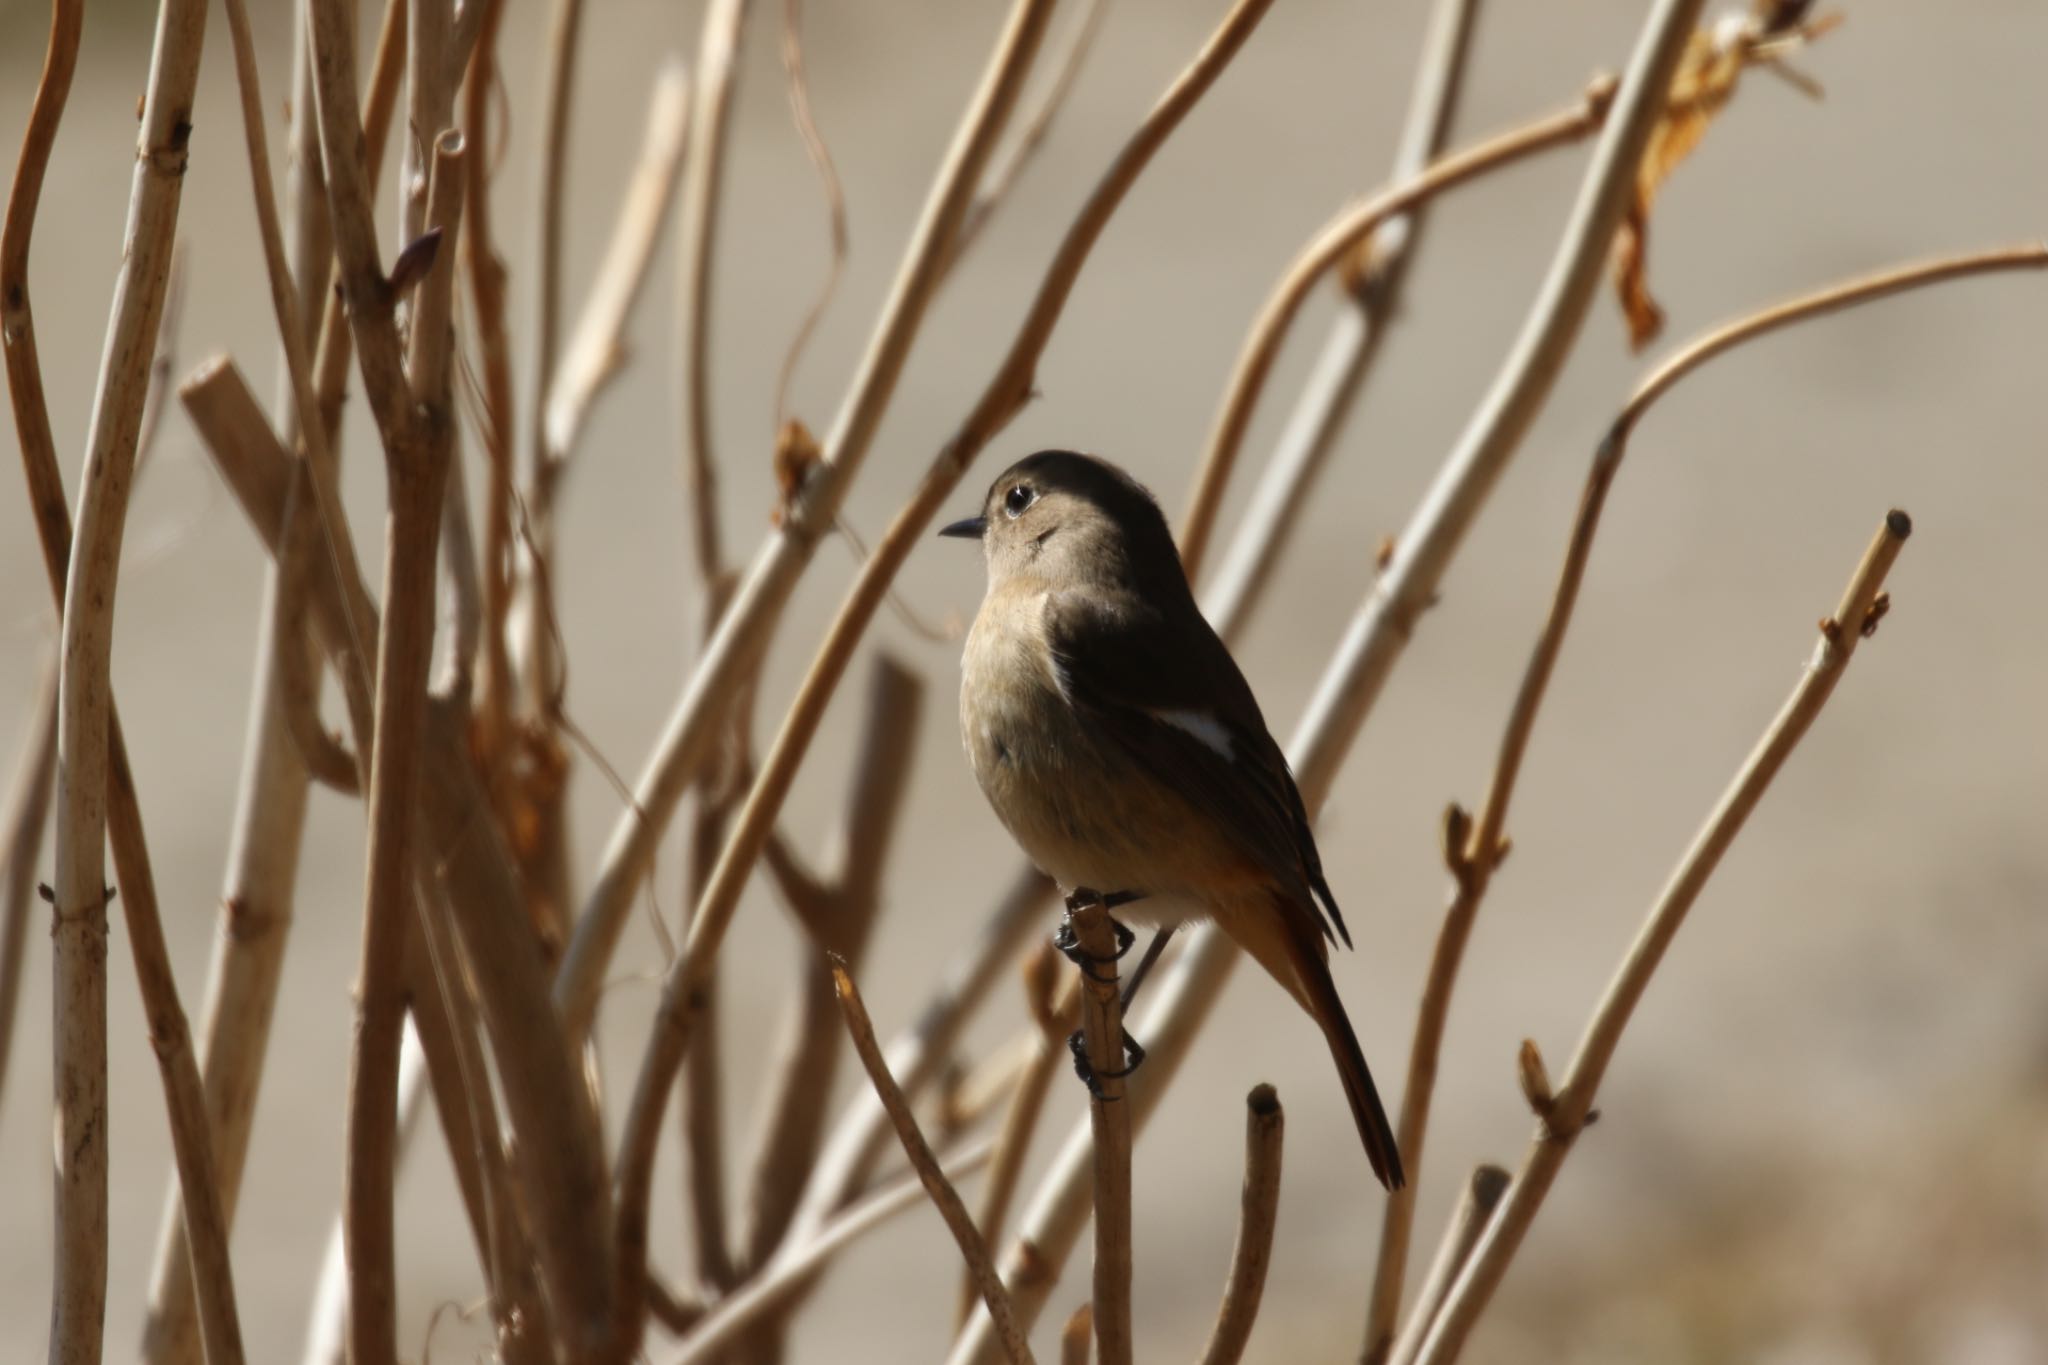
[1161, 684]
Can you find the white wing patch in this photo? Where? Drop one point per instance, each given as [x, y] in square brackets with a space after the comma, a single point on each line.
[1201, 724]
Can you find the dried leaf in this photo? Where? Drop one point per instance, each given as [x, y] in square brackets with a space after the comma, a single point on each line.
[1705, 81]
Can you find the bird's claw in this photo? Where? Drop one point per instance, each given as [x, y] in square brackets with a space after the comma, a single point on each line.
[1134, 1057]
[1070, 944]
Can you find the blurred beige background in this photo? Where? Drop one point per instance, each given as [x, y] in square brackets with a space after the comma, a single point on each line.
[1822, 1138]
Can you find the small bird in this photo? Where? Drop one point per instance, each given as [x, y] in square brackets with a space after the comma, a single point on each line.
[1119, 743]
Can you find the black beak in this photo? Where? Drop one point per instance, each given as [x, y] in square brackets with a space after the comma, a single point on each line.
[971, 529]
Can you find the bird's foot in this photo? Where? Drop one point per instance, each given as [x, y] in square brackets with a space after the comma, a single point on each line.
[1068, 943]
[1134, 1057]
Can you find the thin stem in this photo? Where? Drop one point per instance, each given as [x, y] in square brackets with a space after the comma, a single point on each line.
[1565, 1117]
[1258, 1212]
[929, 1172]
[22, 825]
[1478, 1199]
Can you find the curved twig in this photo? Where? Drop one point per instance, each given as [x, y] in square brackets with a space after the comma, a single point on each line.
[1476, 1202]
[1565, 1117]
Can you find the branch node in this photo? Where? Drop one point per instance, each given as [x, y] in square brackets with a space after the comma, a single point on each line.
[1535, 1079]
[1878, 610]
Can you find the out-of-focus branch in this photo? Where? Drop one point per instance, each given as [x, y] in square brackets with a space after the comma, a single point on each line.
[1476, 1203]
[596, 350]
[1109, 1120]
[718, 50]
[743, 632]
[1077, 1338]
[1055, 1014]
[1005, 394]
[1375, 273]
[21, 825]
[837, 916]
[1032, 129]
[1473, 848]
[1564, 1117]
[1259, 1209]
[933, 1177]
[1331, 246]
[798, 1263]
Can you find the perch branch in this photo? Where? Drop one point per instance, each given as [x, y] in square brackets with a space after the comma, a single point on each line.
[929, 1173]
[1264, 1128]
[27, 813]
[1109, 1119]
[1565, 1118]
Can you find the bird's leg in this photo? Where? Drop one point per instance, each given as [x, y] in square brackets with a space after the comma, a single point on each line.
[1065, 941]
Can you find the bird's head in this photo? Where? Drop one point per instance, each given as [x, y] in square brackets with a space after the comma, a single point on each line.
[1071, 519]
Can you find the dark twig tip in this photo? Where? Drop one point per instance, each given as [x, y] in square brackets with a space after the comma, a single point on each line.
[1898, 523]
[1263, 1100]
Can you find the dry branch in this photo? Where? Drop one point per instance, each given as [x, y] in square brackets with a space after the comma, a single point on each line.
[1259, 1210]
[1473, 847]
[1565, 1119]
[932, 1176]
[1478, 1199]
[22, 825]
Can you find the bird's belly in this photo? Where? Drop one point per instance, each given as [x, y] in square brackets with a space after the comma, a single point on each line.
[1088, 816]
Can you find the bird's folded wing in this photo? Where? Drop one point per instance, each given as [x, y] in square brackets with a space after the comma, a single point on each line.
[1168, 692]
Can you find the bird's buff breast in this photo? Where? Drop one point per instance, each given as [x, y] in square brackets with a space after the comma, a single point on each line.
[1082, 810]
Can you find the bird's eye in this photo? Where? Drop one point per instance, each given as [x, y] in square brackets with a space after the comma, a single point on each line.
[1017, 499]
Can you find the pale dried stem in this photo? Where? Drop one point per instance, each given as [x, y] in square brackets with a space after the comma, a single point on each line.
[487, 297]
[929, 1172]
[718, 51]
[837, 917]
[1330, 247]
[1474, 851]
[1258, 1212]
[797, 1264]
[1032, 129]
[95, 792]
[1565, 1117]
[1375, 275]
[1077, 1338]
[828, 181]
[22, 825]
[1370, 648]
[1109, 1121]
[743, 632]
[1005, 394]
[1478, 1199]
[596, 350]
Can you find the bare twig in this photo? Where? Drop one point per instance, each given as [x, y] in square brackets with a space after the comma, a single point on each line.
[22, 825]
[828, 181]
[1474, 850]
[1264, 1128]
[757, 605]
[1109, 1118]
[1559, 1128]
[941, 1190]
[838, 918]
[1077, 1338]
[1476, 1203]
[798, 1263]
[718, 50]
[1331, 246]
[1032, 129]
[596, 351]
